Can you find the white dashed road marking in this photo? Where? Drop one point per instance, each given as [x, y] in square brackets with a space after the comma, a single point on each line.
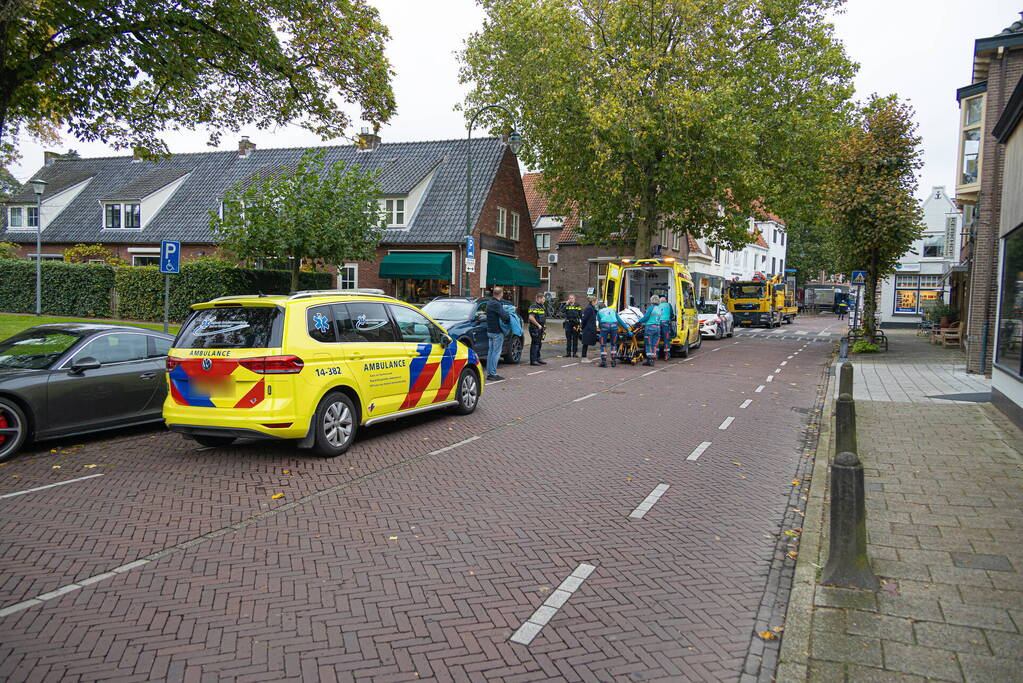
[648, 502]
[583, 398]
[535, 373]
[649, 373]
[726, 423]
[569, 365]
[454, 445]
[758, 389]
[770, 378]
[49, 486]
[698, 451]
[545, 612]
[784, 362]
[777, 370]
[745, 404]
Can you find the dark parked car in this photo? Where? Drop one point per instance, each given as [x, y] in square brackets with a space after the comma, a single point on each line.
[465, 319]
[69, 378]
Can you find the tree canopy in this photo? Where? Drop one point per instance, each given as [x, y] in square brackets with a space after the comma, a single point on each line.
[309, 212]
[684, 114]
[869, 188]
[122, 71]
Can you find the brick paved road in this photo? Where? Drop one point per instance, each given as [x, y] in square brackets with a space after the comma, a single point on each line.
[399, 562]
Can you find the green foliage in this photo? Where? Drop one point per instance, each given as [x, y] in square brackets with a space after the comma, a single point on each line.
[78, 289]
[864, 346]
[140, 289]
[8, 184]
[83, 253]
[939, 309]
[124, 71]
[870, 182]
[680, 114]
[8, 251]
[326, 216]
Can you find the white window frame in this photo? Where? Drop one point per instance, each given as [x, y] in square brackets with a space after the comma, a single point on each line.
[122, 212]
[514, 226]
[355, 276]
[502, 222]
[545, 269]
[393, 212]
[676, 242]
[543, 241]
[135, 257]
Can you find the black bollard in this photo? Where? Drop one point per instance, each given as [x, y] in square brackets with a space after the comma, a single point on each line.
[845, 378]
[847, 563]
[845, 424]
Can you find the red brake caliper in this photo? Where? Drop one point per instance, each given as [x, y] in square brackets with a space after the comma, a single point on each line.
[3, 423]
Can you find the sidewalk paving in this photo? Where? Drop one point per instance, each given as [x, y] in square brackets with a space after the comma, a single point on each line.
[944, 497]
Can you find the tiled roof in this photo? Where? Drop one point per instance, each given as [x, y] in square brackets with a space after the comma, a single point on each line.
[154, 181]
[538, 206]
[694, 245]
[761, 242]
[56, 182]
[1014, 27]
[439, 218]
[765, 215]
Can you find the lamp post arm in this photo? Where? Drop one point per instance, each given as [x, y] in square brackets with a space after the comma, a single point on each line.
[468, 174]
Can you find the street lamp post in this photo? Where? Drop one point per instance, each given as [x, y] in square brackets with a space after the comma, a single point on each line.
[39, 186]
[514, 142]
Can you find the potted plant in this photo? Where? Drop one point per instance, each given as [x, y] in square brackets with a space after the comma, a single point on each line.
[942, 314]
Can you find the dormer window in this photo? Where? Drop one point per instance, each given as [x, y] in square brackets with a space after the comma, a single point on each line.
[22, 217]
[117, 216]
[394, 212]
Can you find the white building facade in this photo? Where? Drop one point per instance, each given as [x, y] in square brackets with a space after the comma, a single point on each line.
[711, 267]
[922, 273]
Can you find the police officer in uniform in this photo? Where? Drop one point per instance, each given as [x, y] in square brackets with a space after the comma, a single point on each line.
[573, 326]
[537, 322]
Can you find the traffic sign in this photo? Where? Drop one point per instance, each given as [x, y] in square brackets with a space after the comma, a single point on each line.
[170, 257]
[470, 265]
[470, 247]
[859, 277]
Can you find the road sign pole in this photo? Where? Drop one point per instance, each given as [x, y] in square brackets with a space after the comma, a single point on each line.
[166, 301]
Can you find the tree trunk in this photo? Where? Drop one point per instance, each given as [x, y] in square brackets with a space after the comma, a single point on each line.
[646, 226]
[870, 301]
[295, 264]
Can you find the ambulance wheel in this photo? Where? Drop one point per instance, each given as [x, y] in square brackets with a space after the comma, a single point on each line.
[699, 342]
[335, 424]
[684, 351]
[213, 441]
[467, 393]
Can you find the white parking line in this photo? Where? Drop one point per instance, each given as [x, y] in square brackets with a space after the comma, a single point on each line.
[583, 398]
[648, 502]
[698, 451]
[713, 350]
[453, 446]
[790, 357]
[802, 332]
[569, 365]
[49, 486]
[649, 373]
[770, 378]
[777, 370]
[496, 381]
[758, 389]
[535, 373]
[784, 362]
[545, 612]
[745, 404]
[726, 423]
[71, 587]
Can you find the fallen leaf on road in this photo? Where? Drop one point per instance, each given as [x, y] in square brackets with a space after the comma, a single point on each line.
[778, 629]
[285, 471]
[53, 450]
[737, 464]
[791, 532]
[792, 554]
[392, 538]
[55, 467]
[628, 478]
[795, 482]
[90, 467]
[768, 635]
[277, 495]
[15, 476]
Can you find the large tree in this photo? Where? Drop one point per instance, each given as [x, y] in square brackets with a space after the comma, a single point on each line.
[685, 114]
[122, 71]
[322, 216]
[870, 183]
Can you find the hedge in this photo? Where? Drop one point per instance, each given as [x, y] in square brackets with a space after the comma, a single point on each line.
[140, 288]
[72, 289]
[93, 290]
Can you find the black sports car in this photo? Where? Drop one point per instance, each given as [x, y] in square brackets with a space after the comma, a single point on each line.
[70, 378]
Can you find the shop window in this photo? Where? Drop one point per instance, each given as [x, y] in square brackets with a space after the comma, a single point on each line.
[502, 222]
[543, 241]
[348, 276]
[421, 291]
[914, 293]
[1010, 309]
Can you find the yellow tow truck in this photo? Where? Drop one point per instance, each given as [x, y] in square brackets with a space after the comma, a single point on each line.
[761, 301]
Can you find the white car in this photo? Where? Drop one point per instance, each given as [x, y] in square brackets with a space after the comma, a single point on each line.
[715, 320]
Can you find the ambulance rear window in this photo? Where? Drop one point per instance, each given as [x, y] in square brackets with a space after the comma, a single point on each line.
[257, 327]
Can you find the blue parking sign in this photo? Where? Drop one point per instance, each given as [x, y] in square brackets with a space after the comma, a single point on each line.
[470, 246]
[170, 257]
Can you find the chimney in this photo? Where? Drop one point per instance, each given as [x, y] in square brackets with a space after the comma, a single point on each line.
[245, 147]
[49, 157]
[367, 142]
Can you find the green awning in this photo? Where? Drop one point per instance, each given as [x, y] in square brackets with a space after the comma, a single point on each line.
[417, 265]
[504, 270]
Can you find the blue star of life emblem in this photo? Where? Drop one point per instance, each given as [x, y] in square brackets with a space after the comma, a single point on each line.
[321, 323]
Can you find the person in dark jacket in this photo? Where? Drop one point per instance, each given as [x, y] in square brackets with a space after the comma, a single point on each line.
[573, 316]
[589, 324]
[495, 335]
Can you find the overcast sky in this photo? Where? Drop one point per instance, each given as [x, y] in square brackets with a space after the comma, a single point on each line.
[919, 49]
